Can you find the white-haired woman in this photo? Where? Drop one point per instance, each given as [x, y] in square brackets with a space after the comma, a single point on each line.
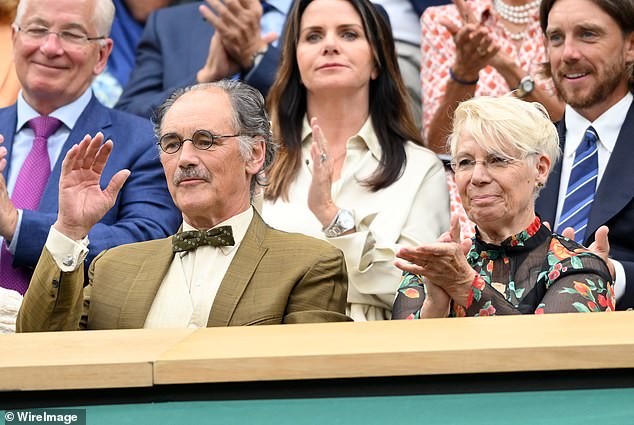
[502, 151]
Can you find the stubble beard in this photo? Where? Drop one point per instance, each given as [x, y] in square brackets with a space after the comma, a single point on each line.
[613, 76]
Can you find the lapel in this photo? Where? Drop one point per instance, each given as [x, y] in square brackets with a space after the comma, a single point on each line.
[615, 190]
[546, 204]
[240, 272]
[94, 118]
[146, 284]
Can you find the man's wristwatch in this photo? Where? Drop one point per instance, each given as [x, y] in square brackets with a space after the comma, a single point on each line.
[525, 87]
[342, 223]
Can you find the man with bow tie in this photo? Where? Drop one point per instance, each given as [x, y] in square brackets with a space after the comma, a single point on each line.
[225, 268]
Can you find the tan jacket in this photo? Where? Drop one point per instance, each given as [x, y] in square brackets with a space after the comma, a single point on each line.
[274, 278]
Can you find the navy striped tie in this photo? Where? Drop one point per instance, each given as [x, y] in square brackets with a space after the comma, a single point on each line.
[581, 186]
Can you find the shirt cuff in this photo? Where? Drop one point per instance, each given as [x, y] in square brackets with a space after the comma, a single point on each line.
[13, 245]
[619, 282]
[67, 253]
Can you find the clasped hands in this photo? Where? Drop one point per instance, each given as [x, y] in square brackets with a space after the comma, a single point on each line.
[236, 38]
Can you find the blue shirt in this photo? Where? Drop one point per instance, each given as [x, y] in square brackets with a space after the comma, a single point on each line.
[24, 135]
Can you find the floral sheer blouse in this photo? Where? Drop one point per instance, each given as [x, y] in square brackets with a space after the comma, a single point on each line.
[533, 272]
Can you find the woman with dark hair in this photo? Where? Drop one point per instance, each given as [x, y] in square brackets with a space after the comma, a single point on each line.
[351, 167]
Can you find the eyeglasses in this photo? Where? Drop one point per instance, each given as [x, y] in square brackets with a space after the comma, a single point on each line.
[201, 139]
[492, 163]
[71, 38]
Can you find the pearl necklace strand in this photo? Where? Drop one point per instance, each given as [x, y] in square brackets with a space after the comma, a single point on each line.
[516, 14]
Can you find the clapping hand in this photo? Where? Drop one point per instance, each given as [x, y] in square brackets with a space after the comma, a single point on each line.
[443, 263]
[600, 246]
[8, 212]
[237, 22]
[320, 191]
[475, 47]
[82, 203]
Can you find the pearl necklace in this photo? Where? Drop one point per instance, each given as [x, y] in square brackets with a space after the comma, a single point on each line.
[515, 36]
[516, 14]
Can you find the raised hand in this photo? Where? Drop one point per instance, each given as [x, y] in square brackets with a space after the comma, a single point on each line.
[82, 203]
[600, 246]
[8, 212]
[238, 23]
[218, 64]
[320, 191]
[475, 47]
[443, 263]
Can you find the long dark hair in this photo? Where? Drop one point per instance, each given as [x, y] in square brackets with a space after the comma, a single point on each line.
[390, 112]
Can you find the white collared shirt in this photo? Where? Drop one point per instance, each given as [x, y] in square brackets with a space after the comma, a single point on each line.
[189, 288]
[608, 127]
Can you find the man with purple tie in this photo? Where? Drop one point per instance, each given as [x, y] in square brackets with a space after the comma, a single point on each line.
[590, 48]
[59, 48]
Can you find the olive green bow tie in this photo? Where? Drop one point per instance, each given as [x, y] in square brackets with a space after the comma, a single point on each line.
[218, 236]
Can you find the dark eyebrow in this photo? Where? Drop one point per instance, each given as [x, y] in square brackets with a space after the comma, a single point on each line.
[339, 28]
[590, 27]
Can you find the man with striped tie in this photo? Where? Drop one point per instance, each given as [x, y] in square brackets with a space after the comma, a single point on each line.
[590, 45]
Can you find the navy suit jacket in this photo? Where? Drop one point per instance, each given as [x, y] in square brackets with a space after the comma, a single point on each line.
[613, 202]
[421, 5]
[144, 208]
[173, 48]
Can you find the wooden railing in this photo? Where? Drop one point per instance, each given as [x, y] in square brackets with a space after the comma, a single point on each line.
[142, 358]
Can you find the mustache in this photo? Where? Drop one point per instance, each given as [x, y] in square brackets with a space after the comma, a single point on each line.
[191, 173]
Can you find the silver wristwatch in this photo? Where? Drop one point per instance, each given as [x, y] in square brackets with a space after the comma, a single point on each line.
[525, 87]
[342, 223]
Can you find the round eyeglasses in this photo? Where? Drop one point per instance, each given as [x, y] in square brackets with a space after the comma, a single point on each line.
[67, 38]
[201, 139]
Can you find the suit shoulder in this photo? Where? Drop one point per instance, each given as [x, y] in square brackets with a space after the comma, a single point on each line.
[279, 238]
[421, 162]
[122, 118]
[181, 13]
[420, 153]
[146, 247]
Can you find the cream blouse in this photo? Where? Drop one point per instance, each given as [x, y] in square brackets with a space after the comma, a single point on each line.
[413, 210]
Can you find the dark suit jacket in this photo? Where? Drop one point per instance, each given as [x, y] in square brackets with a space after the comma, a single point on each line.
[144, 209]
[421, 5]
[174, 46]
[613, 203]
[275, 277]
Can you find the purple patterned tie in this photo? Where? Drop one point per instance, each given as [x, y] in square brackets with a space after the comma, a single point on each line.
[28, 190]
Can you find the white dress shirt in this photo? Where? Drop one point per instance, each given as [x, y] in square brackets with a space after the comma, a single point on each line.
[607, 126]
[189, 288]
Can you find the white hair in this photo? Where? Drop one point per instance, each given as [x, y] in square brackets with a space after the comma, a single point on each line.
[505, 124]
[103, 15]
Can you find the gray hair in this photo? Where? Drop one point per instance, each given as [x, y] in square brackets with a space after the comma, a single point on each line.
[103, 15]
[506, 125]
[250, 120]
